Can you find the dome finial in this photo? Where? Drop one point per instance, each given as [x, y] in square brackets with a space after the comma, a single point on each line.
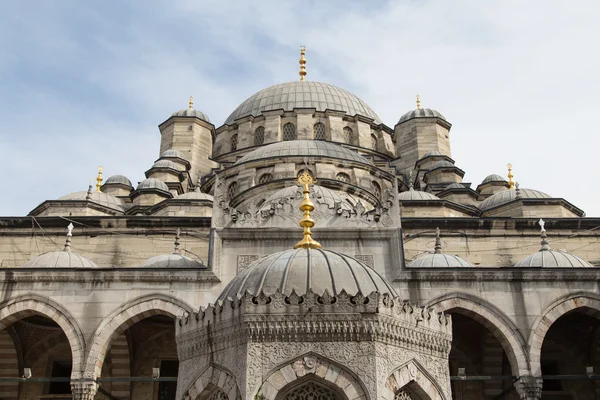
[191, 103]
[545, 245]
[68, 241]
[511, 183]
[302, 61]
[418, 102]
[177, 237]
[438, 242]
[307, 242]
[99, 179]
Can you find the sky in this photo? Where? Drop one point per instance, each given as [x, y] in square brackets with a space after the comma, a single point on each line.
[84, 84]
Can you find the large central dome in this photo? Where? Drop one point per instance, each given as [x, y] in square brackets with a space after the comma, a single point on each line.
[303, 94]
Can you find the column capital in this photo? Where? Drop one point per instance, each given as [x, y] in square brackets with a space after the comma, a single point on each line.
[529, 387]
[84, 389]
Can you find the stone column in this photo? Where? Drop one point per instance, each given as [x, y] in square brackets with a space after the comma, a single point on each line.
[529, 387]
[84, 389]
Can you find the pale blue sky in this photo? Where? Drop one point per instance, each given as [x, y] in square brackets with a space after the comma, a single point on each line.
[84, 84]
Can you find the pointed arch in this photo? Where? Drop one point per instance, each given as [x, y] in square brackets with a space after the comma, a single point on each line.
[493, 319]
[311, 366]
[124, 317]
[214, 377]
[412, 377]
[588, 303]
[23, 306]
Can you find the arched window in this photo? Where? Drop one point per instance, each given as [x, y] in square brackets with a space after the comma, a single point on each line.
[264, 178]
[232, 190]
[319, 131]
[234, 142]
[310, 390]
[402, 395]
[343, 177]
[218, 395]
[289, 131]
[259, 136]
[376, 190]
[348, 135]
[373, 141]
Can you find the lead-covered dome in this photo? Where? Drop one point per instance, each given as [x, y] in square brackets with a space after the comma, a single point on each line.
[101, 198]
[186, 112]
[506, 196]
[493, 178]
[421, 113]
[118, 179]
[304, 148]
[303, 94]
[411, 195]
[172, 260]
[60, 259]
[301, 270]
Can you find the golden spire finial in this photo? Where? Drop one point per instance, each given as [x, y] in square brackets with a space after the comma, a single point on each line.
[191, 103]
[302, 63]
[99, 179]
[511, 183]
[418, 102]
[307, 242]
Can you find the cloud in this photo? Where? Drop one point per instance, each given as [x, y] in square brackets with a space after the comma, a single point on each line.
[87, 85]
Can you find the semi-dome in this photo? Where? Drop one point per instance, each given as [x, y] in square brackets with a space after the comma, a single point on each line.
[506, 196]
[421, 113]
[412, 194]
[103, 199]
[301, 270]
[195, 195]
[172, 153]
[186, 112]
[60, 259]
[455, 185]
[165, 164]
[118, 179]
[152, 183]
[320, 194]
[303, 94]
[439, 260]
[304, 148]
[443, 164]
[493, 178]
[172, 260]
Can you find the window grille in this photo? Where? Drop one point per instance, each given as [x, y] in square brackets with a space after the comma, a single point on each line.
[218, 395]
[234, 142]
[348, 135]
[376, 190]
[319, 131]
[259, 136]
[343, 177]
[310, 391]
[264, 178]
[402, 395]
[232, 190]
[289, 132]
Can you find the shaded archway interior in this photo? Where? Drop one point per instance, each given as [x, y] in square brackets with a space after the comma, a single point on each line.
[310, 389]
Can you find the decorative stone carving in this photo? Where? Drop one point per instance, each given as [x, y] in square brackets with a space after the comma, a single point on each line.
[529, 388]
[244, 261]
[366, 258]
[311, 391]
[84, 390]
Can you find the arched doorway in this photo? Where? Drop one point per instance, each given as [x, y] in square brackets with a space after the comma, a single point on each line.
[309, 389]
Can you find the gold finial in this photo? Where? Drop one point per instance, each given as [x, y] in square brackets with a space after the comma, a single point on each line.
[99, 179]
[307, 242]
[191, 103]
[418, 102]
[511, 183]
[302, 63]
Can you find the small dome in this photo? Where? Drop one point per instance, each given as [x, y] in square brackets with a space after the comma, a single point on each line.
[172, 153]
[493, 178]
[421, 113]
[304, 148]
[100, 198]
[302, 94]
[173, 260]
[431, 153]
[165, 164]
[195, 196]
[186, 112]
[302, 270]
[506, 196]
[120, 179]
[152, 183]
[319, 194]
[411, 195]
[553, 259]
[455, 185]
[60, 259]
[443, 164]
[440, 260]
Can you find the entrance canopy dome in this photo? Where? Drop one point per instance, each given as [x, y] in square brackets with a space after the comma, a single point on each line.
[303, 94]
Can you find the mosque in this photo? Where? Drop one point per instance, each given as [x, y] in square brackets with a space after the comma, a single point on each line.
[302, 250]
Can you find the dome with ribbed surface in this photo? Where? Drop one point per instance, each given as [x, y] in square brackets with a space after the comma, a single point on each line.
[118, 179]
[411, 195]
[443, 164]
[302, 270]
[304, 148]
[172, 153]
[60, 259]
[195, 196]
[165, 164]
[421, 113]
[439, 260]
[100, 198]
[506, 196]
[152, 183]
[303, 94]
[186, 112]
[455, 185]
[553, 259]
[493, 178]
[172, 260]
